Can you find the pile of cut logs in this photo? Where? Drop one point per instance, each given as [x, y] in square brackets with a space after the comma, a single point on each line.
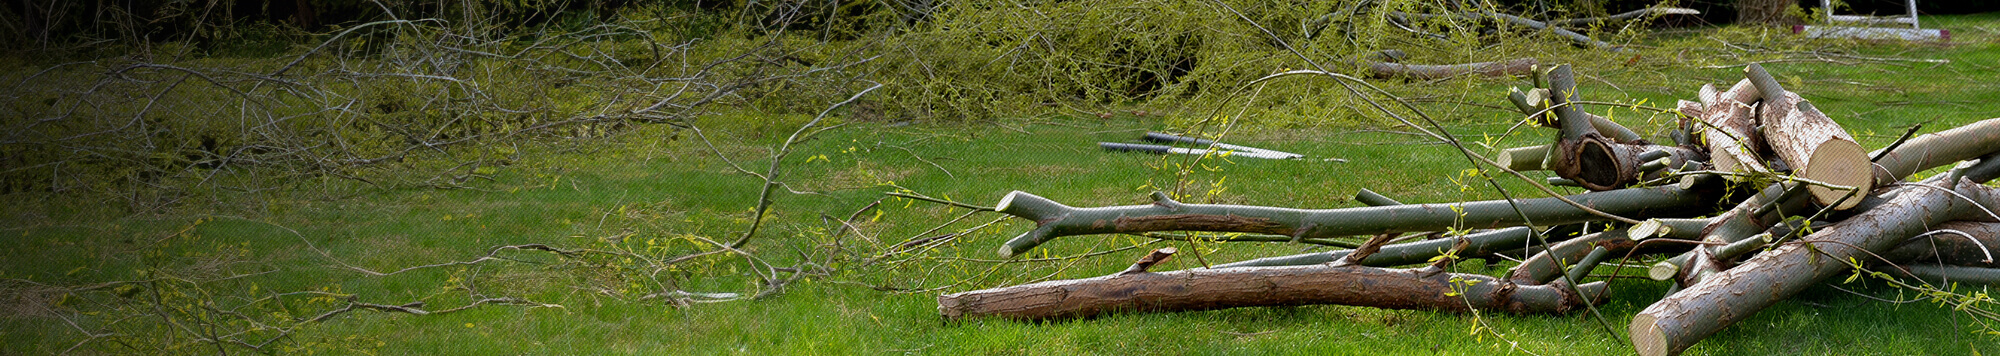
[1804, 203]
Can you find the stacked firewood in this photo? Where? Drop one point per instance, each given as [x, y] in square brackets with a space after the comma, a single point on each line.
[1805, 203]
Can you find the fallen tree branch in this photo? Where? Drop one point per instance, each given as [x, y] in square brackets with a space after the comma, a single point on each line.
[1205, 289]
[1646, 12]
[1519, 66]
[1054, 219]
[1478, 244]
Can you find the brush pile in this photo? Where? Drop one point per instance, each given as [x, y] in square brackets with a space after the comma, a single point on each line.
[1759, 197]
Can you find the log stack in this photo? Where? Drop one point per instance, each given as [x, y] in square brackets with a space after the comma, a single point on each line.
[1804, 203]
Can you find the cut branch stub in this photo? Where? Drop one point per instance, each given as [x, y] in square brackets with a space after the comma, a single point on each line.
[1817, 148]
[1524, 158]
[1207, 289]
[1056, 220]
[1145, 263]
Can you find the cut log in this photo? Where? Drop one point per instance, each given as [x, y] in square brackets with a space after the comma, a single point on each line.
[1371, 198]
[1054, 219]
[1692, 314]
[1206, 289]
[1815, 146]
[1728, 135]
[1680, 229]
[1937, 149]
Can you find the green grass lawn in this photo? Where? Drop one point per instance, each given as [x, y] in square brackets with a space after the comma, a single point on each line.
[651, 191]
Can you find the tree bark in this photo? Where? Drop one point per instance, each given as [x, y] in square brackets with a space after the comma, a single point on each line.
[1054, 219]
[1425, 288]
[1815, 146]
[1685, 318]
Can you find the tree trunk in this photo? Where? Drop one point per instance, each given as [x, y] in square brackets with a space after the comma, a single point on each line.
[1425, 288]
[1520, 66]
[1684, 318]
[1815, 146]
[1054, 219]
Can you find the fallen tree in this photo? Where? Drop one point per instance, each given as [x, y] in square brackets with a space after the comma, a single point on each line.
[1788, 200]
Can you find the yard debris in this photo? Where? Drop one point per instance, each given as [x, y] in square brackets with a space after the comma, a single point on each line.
[1792, 201]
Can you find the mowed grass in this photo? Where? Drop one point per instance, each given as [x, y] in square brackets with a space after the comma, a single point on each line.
[655, 186]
